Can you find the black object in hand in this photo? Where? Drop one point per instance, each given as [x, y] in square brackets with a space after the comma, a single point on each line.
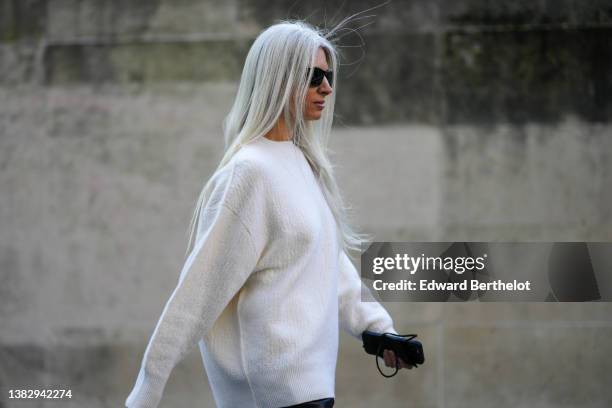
[403, 345]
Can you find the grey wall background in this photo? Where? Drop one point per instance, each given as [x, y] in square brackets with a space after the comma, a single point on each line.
[465, 120]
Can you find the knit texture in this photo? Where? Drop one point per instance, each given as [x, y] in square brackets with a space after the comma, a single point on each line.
[264, 291]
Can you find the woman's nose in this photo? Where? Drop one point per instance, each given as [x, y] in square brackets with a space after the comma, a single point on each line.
[325, 88]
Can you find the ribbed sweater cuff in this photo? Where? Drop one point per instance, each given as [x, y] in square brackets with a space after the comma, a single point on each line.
[386, 327]
[147, 392]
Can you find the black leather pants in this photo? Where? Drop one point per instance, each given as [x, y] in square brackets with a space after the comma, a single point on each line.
[320, 403]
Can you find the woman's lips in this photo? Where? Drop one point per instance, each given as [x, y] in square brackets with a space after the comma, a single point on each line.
[320, 105]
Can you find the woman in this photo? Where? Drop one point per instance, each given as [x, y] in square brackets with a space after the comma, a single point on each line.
[267, 280]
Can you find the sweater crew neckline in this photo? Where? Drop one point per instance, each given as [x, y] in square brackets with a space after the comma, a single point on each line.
[277, 142]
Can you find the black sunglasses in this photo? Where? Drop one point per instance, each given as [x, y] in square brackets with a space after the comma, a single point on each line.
[318, 75]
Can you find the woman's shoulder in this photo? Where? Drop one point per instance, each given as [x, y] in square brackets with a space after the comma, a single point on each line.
[253, 162]
[242, 184]
[244, 173]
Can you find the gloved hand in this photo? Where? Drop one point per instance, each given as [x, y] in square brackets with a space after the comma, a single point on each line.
[392, 361]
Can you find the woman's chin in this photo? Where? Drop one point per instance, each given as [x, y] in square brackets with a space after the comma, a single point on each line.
[313, 116]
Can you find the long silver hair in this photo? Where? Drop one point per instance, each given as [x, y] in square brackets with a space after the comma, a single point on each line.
[274, 83]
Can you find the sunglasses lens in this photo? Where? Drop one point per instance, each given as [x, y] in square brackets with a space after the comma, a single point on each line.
[317, 78]
[318, 75]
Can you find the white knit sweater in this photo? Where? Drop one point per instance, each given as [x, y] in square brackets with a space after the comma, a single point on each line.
[264, 290]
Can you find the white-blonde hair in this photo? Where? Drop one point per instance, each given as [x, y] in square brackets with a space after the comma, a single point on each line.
[274, 82]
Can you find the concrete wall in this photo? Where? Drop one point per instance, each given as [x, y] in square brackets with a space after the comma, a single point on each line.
[465, 120]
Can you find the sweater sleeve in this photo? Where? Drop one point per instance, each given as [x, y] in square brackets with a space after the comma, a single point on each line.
[224, 255]
[356, 315]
